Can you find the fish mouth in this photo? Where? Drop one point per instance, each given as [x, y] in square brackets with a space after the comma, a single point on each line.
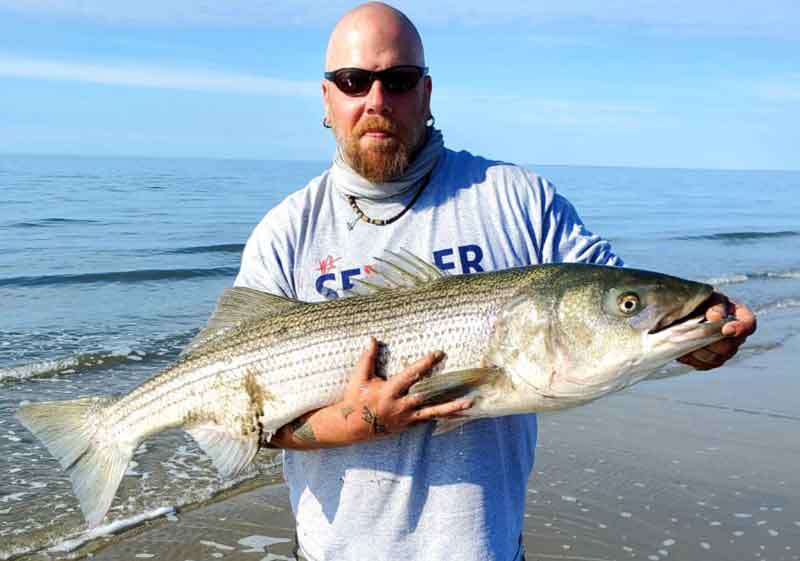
[693, 312]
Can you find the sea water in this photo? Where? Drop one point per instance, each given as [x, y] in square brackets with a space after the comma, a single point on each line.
[108, 267]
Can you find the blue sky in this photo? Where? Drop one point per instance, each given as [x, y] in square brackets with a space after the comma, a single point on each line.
[647, 83]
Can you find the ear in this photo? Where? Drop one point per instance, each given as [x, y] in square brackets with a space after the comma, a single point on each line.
[326, 98]
[427, 89]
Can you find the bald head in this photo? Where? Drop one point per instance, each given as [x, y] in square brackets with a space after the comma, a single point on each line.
[371, 34]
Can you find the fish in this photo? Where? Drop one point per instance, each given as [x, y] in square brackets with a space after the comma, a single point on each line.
[530, 339]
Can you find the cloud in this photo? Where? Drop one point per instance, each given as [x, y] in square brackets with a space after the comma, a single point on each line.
[154, 77]
[537, 110]
[778, 18]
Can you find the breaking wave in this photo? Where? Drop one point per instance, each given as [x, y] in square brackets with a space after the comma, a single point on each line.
[739, 278]
[151, 351]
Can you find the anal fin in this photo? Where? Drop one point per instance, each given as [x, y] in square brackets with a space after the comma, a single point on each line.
[450, 423]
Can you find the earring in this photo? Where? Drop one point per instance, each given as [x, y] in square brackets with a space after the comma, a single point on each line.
[325, 123]
[431, 121]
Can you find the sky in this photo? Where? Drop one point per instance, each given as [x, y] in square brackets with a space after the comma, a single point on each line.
[669, 83]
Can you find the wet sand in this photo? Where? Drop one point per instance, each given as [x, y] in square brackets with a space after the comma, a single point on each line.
[705, 467]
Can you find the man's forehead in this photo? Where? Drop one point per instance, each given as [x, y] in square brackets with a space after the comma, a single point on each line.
[373, 37]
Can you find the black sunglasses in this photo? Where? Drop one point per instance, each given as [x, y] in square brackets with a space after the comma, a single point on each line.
[396, 79]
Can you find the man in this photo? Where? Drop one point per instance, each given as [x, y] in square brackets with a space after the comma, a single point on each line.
[367, 478]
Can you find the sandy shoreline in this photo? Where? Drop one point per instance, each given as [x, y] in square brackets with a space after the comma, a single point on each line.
[705, 467]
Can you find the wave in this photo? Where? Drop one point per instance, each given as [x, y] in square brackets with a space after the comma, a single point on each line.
[784, 304]
[68, 365]
[149, 351]
[739, 278]
[49, 222]
[733, 237]
[218, 248]
[124, 277]
[109, 529]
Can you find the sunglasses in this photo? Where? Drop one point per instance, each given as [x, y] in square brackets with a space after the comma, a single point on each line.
[396, 79]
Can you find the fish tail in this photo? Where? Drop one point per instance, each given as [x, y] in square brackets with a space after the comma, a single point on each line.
[70, 431]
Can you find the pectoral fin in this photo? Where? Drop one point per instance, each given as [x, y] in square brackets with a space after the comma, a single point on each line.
[446, 386]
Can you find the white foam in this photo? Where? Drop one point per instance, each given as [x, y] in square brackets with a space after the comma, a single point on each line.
[109, 529]
[221, 546]
[257, 543]
[726, 279]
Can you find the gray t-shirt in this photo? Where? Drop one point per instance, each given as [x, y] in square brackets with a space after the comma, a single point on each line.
[460, 495]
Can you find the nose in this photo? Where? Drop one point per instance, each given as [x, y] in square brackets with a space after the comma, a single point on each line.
[376, 100]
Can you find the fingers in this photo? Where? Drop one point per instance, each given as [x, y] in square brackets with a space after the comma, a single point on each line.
[720, 307]
[365, 368]
[743, 326]
[398, 385]
[736, 332]
[441, 410]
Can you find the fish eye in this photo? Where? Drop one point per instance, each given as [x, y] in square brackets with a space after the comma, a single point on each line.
[629, 303]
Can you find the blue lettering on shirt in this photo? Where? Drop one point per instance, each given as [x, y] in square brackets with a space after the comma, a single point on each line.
[438, 259]
[469, 256]
[346, 275]
[324, 290]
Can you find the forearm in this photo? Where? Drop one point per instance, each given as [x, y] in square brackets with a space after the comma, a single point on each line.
[324, 428]
[371, 408]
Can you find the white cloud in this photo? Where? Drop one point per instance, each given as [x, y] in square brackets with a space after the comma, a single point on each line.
[537, 110]
[154, 77]
[780, 18]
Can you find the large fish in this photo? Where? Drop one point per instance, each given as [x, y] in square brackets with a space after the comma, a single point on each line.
[520, 340]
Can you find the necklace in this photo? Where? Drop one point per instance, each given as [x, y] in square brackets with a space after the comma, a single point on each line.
[361, 215]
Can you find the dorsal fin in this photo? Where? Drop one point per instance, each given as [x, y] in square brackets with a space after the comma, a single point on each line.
[397, 270]
[235, 306]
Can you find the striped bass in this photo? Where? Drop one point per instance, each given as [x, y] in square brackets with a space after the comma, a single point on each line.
[522, 340]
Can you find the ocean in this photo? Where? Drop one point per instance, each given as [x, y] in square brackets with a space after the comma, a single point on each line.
[109, 266]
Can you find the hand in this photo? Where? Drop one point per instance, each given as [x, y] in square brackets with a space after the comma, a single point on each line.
[371, 407]
[375, 407]
[736, 331]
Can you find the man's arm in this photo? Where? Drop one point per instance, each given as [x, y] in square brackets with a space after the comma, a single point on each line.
[371, 408]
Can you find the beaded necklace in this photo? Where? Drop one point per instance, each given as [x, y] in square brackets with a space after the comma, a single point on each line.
[361, 215]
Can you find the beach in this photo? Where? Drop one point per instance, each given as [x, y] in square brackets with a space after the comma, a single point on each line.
[673, 469]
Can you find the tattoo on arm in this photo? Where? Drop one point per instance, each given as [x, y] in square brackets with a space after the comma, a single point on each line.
[302, 430]
[346, 411]
[373, 421]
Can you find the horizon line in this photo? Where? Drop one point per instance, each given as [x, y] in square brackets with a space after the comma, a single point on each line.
[328, 162]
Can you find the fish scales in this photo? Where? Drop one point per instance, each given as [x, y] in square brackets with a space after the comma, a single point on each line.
[300, 344]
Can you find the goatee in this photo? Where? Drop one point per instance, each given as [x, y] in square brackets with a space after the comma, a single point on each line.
[385, 158]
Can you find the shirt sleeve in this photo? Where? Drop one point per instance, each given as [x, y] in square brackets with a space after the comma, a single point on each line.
[568, 240]
[267, 259]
